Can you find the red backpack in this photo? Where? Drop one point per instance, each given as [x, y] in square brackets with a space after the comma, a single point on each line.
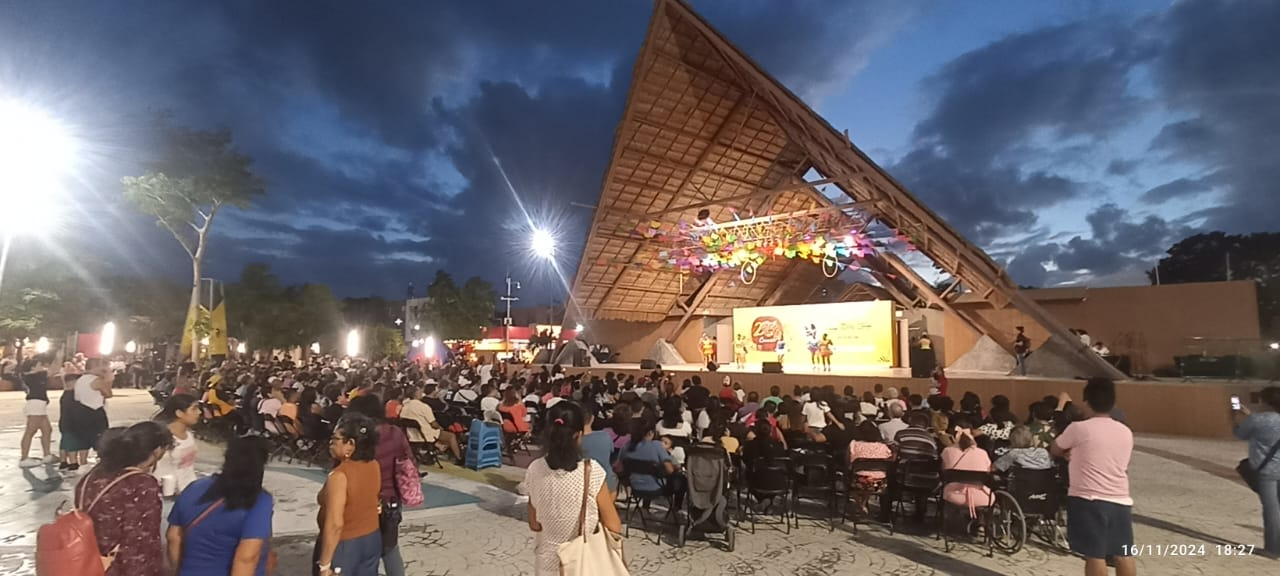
[69, 545]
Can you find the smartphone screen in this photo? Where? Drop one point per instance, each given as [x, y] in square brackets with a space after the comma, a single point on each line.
[1235, 402]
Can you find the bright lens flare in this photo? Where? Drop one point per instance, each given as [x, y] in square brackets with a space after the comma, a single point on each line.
[544, 244]
[353, 343]
[36, 152]
[107, 341]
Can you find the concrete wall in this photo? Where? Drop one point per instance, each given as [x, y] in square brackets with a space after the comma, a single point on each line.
[632, 340]
[1151, 324]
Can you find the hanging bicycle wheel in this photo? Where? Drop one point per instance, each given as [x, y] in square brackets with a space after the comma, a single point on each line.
[830, 266]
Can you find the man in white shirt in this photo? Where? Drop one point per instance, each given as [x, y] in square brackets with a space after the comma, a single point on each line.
[485, 371]
[890, 429]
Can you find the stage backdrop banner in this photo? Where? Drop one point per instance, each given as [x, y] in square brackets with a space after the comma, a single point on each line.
[861, 333]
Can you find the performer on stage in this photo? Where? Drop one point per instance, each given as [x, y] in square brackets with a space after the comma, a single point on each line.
[780, 348]
[740, 352]
[811, 342]
[708, 350]
[824, 351]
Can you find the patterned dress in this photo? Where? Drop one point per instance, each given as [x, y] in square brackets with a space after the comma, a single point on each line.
[128, 515]
[557, 497]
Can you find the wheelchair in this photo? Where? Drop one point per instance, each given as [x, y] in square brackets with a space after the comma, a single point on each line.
[1002, 521]
[1040, 495]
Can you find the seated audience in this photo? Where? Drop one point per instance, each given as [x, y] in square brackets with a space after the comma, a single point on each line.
[867, 444]
[430, 429]
[890, 429]
[753, 404]
[673, 421]
[644, 448]
[1023, 452]
[761, 443]
[511, 404]
[966, 455]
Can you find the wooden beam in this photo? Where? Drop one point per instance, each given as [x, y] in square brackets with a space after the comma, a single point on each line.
[776, 292]
[632, 289]
[698, 296]
[697, 165]
[754, 194]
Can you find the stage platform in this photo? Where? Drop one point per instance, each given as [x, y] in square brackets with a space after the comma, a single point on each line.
[1198, 408]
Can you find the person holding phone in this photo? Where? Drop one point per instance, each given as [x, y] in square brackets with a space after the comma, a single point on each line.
[1262, 431]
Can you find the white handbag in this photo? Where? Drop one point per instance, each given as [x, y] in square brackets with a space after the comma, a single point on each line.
[595, 554]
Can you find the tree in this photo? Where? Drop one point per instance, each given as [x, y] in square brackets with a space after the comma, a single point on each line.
[384, 342]
[268, 316]
[453, 313]
[1216, 256]
[319, 316]
[198, 175]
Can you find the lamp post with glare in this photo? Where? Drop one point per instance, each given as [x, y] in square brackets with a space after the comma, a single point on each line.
[35, 152]
[107, 340]
[353, 343]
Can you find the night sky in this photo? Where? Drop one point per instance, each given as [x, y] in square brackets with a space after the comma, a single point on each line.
[1074, 140]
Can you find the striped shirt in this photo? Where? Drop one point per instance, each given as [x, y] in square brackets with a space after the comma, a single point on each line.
[916, 444]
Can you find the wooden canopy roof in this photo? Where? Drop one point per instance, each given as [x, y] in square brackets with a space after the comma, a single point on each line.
[705, 127]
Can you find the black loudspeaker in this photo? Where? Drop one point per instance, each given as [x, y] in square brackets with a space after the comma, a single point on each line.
[712, 366]
[648, 364]
[771, 368]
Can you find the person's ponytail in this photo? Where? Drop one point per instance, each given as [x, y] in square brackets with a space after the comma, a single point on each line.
[565, 421]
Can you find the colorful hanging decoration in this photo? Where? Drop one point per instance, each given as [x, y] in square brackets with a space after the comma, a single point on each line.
[834, 240]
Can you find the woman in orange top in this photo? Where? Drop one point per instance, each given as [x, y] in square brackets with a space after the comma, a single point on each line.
[511, 404]
[349, 537]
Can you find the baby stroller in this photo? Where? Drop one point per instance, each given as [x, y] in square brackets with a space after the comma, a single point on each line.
[706, 505]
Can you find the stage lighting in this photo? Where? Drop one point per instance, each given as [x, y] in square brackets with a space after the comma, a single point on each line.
[315, 347]
[578, 328]
[130, 347]
[1275, 345]
[544, 244]
[429, 346]
[107, 341]
[241, 348]
[42, 345]
[353, 343]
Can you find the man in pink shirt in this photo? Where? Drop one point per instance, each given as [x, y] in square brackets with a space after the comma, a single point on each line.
[1099, 519]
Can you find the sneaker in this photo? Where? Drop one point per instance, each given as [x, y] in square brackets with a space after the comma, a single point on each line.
[63, 467]
[73, 467]
[29, 463]
[51, 460]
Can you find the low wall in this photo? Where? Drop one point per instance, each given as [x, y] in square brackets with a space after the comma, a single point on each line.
[1197, 409]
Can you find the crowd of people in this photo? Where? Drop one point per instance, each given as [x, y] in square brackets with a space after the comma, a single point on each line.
[588, 426]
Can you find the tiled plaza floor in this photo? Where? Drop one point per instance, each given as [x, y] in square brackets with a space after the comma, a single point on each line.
[1182, 488]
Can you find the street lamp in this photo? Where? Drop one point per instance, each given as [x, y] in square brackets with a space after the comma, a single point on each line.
[107, 341]
[543, 244]
[353, 343]
[35, 152]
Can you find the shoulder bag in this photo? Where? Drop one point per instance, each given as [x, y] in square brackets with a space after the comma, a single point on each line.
[1247, 471]
[595, 554]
